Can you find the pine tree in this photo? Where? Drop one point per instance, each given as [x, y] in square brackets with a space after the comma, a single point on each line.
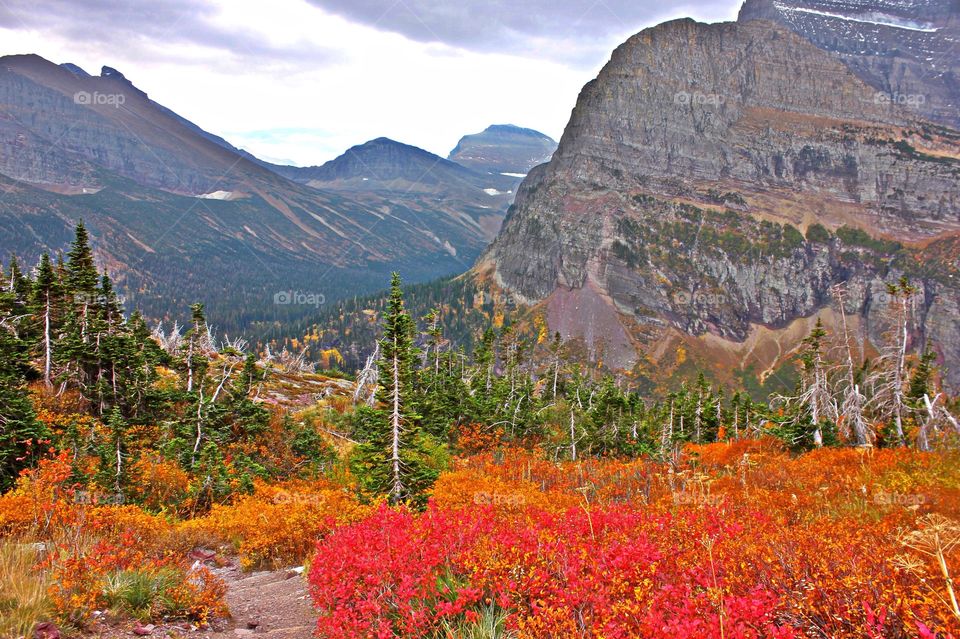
[81, 276]
[921, 382]
[394, 458]
[397, 354]
[76, 352]
[246, 417]
[19, 430]
[814, 405]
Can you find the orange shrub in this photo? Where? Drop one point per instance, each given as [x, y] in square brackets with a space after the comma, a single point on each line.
[280, 524]
[469, 488]
[158, 484]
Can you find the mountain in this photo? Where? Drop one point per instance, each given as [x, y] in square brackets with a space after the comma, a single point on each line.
[712, 186]
[907, 51]
[179, 215]
[503, 149]
[417, 179]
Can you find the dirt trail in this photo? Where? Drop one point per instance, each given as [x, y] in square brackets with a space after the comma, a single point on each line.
[275, 602]
[271, 604]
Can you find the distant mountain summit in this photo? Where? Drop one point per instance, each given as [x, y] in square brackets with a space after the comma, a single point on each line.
[385, 163]
[412, 177]
[503, 148]
[905, 49]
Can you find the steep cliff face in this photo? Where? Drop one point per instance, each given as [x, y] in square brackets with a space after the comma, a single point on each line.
[716, 181]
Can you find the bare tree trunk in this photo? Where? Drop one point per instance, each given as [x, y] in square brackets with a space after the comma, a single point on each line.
[556, 374]
[898, 375]
[116, 480]
[196, 445]
[227, 372]
[697, 418]
[719, 415]
[573, 438]
[815, 411]
[190, 368]
[47, 347]
[397, 490]
[667, 434]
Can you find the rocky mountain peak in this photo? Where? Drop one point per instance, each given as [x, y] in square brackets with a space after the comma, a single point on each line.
[678, 207]
[110, 72]
[75, 70]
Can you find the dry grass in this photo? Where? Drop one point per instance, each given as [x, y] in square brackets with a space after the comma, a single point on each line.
[23, 590]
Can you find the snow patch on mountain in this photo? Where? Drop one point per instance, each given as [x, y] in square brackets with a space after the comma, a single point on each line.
[217, 195]
[874, 17]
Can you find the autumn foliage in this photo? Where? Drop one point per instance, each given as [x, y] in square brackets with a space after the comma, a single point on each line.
[278, 524]
[87, 544]
[727, 540]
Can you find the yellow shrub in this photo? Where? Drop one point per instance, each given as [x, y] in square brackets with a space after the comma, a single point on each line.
[280, 524]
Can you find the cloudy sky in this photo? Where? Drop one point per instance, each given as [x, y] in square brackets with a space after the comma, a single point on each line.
[299, 81]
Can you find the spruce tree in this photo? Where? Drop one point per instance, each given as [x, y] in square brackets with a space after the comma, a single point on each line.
[19, 430]
[82, 276]
[394, 460]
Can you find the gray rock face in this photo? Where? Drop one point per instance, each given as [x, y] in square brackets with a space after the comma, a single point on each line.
[56, 123]
[909, 51]
[692, 167]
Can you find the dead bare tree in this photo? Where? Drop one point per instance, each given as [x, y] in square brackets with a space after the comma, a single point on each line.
[367, 379]
[815, 400]
[889, 379]
[853, 421]
[935, 419]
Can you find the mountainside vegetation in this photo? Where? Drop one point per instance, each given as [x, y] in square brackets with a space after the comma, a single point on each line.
[127, 452]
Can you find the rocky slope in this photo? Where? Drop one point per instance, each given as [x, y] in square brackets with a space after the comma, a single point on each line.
[909, 51]
[179, 215]
[713, 183]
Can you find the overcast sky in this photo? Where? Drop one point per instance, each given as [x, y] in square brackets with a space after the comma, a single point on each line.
[299, 81]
